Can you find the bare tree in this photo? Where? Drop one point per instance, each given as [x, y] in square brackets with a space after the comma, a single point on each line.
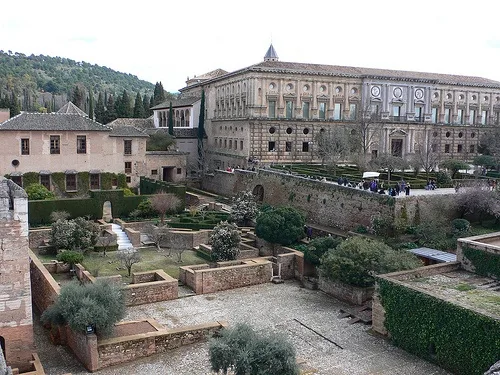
[157, 235]
[426, 156]
[128, 257]
[389, 162]
[177, 246]
[164, 202]
[105, 240]
[332, 146]
[364, 134]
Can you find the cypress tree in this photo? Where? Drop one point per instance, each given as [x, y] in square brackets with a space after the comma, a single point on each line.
[151, 104]
[110, 110]
[159, 94]
[15, 107]
[100, 110]
[171, 120]
[138, 107]
[145, 105]
[91, 104]
[201, 133]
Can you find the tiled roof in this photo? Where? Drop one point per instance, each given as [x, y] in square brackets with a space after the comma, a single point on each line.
[181, 102]
[213, 74]
[356, 72]
[350, 71]
[139, 123]
[178, 132]
[126, 131]
[70, 109]
[52, 122]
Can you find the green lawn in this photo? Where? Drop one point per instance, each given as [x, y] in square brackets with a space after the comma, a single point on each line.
[96, 264]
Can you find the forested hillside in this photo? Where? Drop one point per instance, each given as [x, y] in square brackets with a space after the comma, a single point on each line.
[44, 83]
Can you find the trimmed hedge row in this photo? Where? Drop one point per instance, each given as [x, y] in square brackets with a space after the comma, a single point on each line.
[485, 264]
[457, 339]
[150, 186]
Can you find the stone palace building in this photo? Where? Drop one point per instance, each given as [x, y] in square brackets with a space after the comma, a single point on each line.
[273, 111]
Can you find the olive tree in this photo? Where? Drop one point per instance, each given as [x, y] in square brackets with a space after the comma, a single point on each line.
[100, 305]
[76, 234]
[241, 350]
[128, 257]
[282, 225]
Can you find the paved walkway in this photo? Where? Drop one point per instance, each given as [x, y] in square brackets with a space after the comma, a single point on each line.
[267, 307]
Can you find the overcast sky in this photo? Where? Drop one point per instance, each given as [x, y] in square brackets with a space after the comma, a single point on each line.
[170, 40]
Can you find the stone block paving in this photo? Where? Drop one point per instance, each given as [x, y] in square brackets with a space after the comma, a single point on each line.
[269, 308]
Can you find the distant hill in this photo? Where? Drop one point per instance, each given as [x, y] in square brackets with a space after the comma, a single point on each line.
[37, 79]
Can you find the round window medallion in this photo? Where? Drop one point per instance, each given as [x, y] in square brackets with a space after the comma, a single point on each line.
[398, 92]
[15, 162]
[306, 88]
[419, 93]
[354, 90]
[289, 86]
[322, 130]
[305, 131]
[473, 135]
[448, 96]
[460, 135]
[289, 131]
[485, 98]
[375, 91]
[461, 97]
[474, 97]
[272, 86]
[448, 134]
[435, 95]
[322, 88]
[272, 130]
[435, 134]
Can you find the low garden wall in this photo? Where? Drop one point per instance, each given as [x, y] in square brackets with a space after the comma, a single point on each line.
[346, 292]
[44, 289]
[480, 254]
[150, 287]
[227, 275]
[118, 350]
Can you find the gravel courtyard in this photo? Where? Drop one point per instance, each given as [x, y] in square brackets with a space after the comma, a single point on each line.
[267, 307]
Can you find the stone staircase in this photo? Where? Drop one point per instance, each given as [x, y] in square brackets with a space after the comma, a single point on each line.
[121, 237]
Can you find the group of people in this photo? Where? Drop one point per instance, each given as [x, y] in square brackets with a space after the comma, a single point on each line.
[431, 184]
[377, 186]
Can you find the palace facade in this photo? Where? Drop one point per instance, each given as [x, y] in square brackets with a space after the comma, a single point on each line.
[273, 111]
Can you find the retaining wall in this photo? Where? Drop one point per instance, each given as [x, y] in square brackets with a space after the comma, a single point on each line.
[346, 292]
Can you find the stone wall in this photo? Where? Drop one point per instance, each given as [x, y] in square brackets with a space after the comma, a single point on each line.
[203, 279]
[57, 267]
[38, 237]
[125, 349]
[134, 236]
[323, 203]
[150, 287]
[345, 292]
[83, 275]
[43, 286]
[487, 243]
[84, 347]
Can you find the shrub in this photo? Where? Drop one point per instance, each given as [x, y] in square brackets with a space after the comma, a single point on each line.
[76, 234]
[70, 257]
[127, 192]
[145, 209]
[244, 208]
[460, 226]
[37, 192]
[242, 350]
[282, 225]
[59, 215]
[225, 240]
[101, 305]
[357, 260]
[318, 247]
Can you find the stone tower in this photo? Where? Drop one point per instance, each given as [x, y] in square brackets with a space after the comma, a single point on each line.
[16, 324]
[271, 54]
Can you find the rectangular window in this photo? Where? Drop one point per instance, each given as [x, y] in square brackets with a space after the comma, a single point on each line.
[484, 117]
[81, 144]
[17, 180]
[288, 146]
[179, 170]
[337, 111]
[305, 110]
[447, 115]
[45, 180]
[154, 172]
[128, 167]
[70, 182]
[459, 148]
[271, 146]
[225, 143]
[305, 146]
[460, 116]
[230, 143]
[55, 144]
[396, 112]
[375, 112]
[272, 109]
[95, 181]
[418, 114]
[127, 147]
[289, 109]
[352, 111]
[497, 118]
[322, 110]
[434, 147]
[447, 148]
[128, 179]
[472, 116]
[235, 144]
[241, 145]
[434, 115]
[374, 154]
[472, 149]
[220, 143]
[25, 146]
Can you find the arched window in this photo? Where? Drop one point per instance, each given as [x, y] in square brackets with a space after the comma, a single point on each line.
[182, 118]
[187, 118]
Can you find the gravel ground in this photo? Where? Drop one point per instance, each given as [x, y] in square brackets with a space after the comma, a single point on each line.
[267, 307]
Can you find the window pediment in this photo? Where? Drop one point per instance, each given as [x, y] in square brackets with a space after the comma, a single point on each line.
[397, 132]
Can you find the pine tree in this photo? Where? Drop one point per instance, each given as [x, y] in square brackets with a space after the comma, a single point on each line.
[170, 120]
[78, 96]
[91, 105]
[145, 105]
[100, 110]
[138, 107]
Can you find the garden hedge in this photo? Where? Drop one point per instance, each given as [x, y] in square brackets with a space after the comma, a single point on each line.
[457, 339]
[484, 263]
